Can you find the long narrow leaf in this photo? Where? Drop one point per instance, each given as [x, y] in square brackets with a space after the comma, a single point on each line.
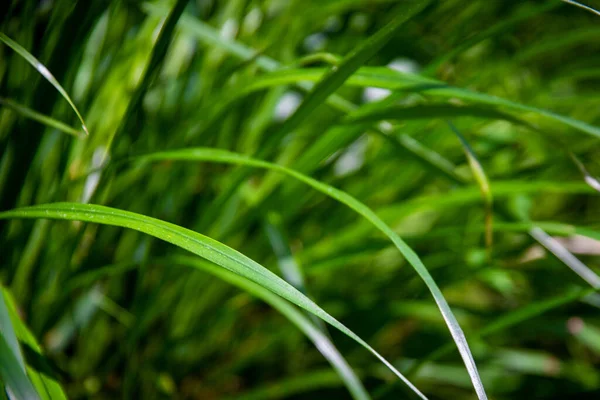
[577, 4]
[16, 380]
[216, 155]
[198, 244]
[41, 68]
[47, 386]
[41, 118]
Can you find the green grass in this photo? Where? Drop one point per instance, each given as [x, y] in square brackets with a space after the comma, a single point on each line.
[213, 219]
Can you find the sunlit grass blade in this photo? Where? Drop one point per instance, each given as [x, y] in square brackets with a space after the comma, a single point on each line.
[577, 4]
[198, 244]
[41, 68]
[482, 181]
[566, 257]
[41, 118]
[312, 331]
[216, 155]
[40, 374]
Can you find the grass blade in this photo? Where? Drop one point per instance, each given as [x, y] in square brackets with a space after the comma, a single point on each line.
[216, 155]
[577, 4]
[198, 244]
[41, 118]
[12, 364]
[41, 68]
[40, 374]
[566, 257]
[14, 377]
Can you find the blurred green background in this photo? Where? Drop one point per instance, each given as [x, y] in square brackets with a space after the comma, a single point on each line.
[472, 133]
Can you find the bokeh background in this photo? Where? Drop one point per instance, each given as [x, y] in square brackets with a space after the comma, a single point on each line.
[472, 133]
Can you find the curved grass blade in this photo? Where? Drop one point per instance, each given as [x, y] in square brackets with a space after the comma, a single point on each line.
[41, 373]
[216, 155]
[577, 4]
[198, 244]
[566, 257]
[312, 331]
[41, 68]
[41, 118]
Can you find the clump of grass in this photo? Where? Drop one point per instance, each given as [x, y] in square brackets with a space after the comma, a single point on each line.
[244, 133]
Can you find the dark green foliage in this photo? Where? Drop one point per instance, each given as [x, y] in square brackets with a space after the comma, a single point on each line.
[482, 157]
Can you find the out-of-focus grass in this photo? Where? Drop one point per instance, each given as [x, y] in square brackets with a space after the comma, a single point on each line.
[94, 311]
